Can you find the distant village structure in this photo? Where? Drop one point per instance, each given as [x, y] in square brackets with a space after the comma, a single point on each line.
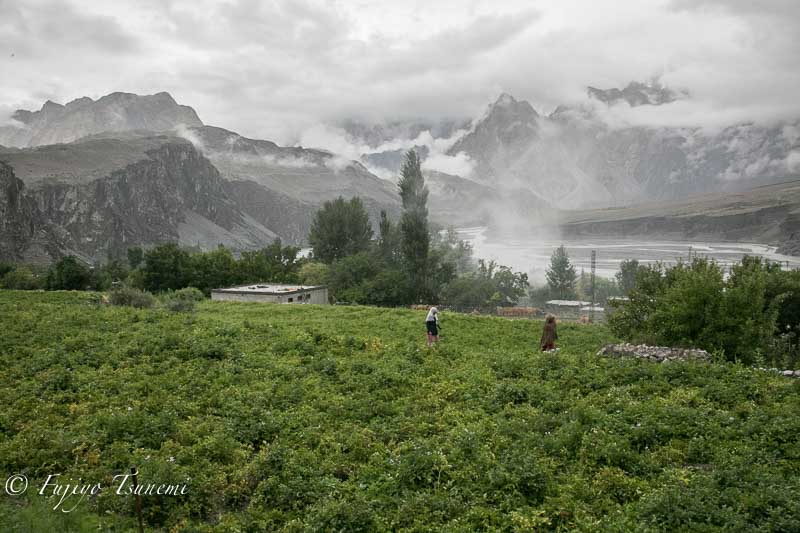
[575, 309]
[278, 294]
[573, 305]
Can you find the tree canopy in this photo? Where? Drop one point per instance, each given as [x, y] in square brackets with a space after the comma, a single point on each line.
[341, 228]
[561, 274]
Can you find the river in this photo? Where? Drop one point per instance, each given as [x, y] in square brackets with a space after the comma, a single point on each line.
[532, 255]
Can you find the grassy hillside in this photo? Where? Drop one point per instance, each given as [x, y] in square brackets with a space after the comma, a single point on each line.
[304, 418]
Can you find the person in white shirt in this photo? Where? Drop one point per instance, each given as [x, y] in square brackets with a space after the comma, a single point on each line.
[432, 325]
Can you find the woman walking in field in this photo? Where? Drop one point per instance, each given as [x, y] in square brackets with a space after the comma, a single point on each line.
[549, 335]
[432, 325]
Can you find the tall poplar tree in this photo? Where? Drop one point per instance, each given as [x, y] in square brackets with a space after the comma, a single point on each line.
[415, 238]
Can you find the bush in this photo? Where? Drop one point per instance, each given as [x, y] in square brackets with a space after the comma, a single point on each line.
[132, 297]
[692, 304]
[5, 268]
[182, 300]
[489, 286]
[20, 278]
[313, 273]
[69, 274]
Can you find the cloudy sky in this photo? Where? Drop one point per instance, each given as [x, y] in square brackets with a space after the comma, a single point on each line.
[274, 69]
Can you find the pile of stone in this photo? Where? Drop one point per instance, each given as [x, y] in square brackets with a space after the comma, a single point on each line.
[787, 373]
[657, 354]
[660, 354]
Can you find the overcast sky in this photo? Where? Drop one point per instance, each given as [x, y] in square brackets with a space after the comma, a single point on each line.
[273, 69]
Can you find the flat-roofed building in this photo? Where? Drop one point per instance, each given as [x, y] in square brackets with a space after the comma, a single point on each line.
[570, 304]
[273, 293]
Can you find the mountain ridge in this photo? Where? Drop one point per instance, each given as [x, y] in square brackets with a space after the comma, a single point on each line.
[573, 158]
[524, 164]
[119, 111]
[164, 192]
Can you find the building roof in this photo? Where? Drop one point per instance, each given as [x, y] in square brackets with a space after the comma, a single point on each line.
[568, 303]
[269, 288]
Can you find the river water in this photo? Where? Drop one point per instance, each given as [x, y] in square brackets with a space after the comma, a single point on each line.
[532, 255]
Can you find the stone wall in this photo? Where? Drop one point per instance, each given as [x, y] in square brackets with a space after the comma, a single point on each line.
[660, 354]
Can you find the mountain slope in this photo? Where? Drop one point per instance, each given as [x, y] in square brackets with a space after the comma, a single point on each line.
[55, 123]
[768, 214]
[501, 137]
[459, 202]
[282, 187]
[105, 193]
[574, 158]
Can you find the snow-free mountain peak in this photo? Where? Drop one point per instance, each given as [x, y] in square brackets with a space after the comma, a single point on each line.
[636, 94]
[56, 123]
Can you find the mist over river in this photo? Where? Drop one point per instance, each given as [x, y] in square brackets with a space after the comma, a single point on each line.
[532, 255]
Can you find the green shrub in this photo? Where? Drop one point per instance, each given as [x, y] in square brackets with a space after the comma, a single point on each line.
[693, 305]
[132, 297]
[69, 274]
[20, 278]
[182, 300]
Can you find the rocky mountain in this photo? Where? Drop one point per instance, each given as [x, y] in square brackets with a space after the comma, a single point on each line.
[20, 236]
[283, 187]
[102, 194]
[55, 123]
[636, 94]
[514, 147]
[503, 135]
[573, 158]
[145, 170]
[94, 177]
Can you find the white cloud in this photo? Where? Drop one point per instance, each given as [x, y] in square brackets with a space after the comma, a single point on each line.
[459, 164]
[189, 135]
[337, 163]
[793, 161]
[275, 69]
[338, 141]
[690, 114]
[332, 139]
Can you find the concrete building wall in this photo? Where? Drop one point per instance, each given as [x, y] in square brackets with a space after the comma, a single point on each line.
[315, 296]
[319, 296]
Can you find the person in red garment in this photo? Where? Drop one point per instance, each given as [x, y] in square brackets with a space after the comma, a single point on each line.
[549, 335]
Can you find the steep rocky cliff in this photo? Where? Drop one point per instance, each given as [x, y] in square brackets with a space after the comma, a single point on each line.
[118, 192]
[20, 235]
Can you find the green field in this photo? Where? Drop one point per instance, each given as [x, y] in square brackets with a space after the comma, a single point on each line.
[305, 418]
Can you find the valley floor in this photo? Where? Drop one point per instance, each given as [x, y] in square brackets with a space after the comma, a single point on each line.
[769, 214]
[307, 418]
